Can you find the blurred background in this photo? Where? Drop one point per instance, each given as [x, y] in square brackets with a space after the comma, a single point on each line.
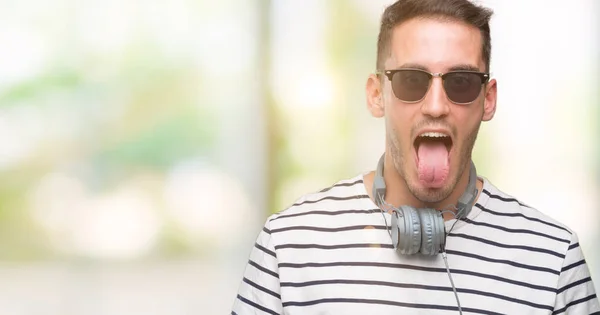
[144, 143]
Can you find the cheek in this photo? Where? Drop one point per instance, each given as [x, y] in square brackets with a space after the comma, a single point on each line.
[467, 122]
[396, 114]
[399, 124]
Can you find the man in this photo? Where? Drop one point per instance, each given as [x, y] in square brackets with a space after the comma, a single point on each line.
[423, 234]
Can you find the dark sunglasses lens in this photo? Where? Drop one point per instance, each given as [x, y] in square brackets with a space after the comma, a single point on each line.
[410, 85]
[462, 87]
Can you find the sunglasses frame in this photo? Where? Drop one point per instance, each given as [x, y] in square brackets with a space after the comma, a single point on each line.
[485, 77]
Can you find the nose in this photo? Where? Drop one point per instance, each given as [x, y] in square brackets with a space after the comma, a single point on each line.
[435, 103]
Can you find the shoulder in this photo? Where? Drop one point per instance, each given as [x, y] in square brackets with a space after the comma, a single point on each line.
[344, 196]
[515, 214]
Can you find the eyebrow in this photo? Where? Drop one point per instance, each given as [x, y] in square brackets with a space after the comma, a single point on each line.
[466, 67]
[413, 66]
[459, 67]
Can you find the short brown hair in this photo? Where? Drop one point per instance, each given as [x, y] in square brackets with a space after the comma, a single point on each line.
[452, 10]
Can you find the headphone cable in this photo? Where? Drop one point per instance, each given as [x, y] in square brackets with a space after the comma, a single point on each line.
[448, 268]
[451, 282]
[383, 203]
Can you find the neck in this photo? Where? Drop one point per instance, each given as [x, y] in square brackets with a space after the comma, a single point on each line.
[397, 192]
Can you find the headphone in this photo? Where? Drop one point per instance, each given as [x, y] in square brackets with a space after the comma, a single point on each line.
[421, 230]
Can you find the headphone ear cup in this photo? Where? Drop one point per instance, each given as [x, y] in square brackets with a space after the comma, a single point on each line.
[439, 232]
[409, 231]
[432, 233]
[394, 227]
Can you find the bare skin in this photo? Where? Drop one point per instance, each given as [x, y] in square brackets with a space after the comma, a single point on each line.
[438, 47]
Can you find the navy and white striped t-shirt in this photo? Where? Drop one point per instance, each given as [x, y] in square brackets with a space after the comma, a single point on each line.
[330, 253]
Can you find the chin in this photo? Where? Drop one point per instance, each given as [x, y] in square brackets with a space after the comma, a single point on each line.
[429, 195]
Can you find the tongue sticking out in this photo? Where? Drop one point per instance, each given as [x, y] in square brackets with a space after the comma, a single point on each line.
[432, 163]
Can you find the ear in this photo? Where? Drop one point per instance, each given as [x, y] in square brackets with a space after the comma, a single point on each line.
[489, 105]
[375, 96]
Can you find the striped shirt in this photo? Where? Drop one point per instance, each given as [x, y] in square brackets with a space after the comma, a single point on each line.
[330, 253]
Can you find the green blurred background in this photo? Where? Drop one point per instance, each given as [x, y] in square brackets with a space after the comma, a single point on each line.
[143, 143]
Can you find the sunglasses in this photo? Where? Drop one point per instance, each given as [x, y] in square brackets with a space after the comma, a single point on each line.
[411, 85]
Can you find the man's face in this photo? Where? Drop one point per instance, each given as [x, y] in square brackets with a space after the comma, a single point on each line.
[432, 165]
